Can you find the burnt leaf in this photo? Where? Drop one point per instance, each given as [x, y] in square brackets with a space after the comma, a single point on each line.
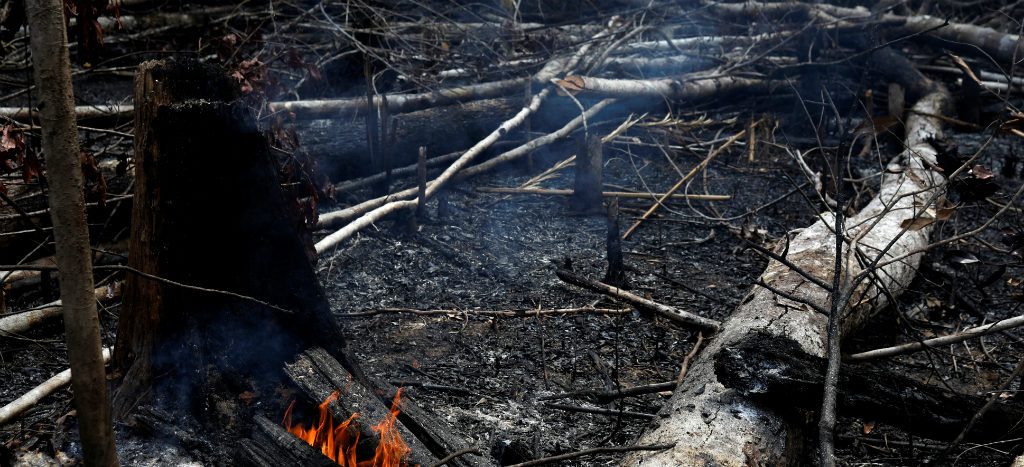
[31, 168]
[971, 188]
[947, 155]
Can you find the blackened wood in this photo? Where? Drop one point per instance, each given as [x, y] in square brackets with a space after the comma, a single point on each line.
[318, 374]
[209, 212]
[586, 197]
[434, 432]
[421, 175]
[896, 101]
[444, 207]
[273, 446]
[616, 275]
[341, 144]
[779, 373]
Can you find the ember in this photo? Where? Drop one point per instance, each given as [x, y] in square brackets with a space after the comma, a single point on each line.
[339, 442]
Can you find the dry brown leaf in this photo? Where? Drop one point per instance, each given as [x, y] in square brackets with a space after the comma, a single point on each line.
[943, 214]
[868, 427]
[876, 125]
[917, 223]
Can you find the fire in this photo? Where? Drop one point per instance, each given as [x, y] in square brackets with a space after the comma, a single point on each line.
[339, 442]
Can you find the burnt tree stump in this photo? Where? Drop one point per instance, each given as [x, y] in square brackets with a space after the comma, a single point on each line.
[209, 211]
[587, 195]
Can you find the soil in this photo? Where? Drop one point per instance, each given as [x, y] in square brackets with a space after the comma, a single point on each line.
[499, 252]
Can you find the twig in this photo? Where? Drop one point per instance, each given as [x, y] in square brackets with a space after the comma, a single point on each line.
[601, 450]
[666, 311]
[988, 405]
[456, 454]
[961, 336]
[661, 199]
[502, 313]
[433, 387]
[600, 411]
[121, 267]
[605, 396]
[689, 357]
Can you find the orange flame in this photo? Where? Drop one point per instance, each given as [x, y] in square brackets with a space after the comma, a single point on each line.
[339, 442]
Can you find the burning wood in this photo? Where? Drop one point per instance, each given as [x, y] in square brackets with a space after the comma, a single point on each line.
[340, 442]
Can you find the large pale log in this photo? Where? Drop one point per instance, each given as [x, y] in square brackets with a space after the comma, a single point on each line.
[714, 424]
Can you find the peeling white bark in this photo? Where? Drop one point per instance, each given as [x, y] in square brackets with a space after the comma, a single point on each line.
[713, 425]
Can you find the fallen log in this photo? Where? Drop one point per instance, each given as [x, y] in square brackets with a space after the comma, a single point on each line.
[778, 373]
[669, 312]
[699, 44]
[1003, 47]
[326, 108]
[17, 323]
[319, 375]
[401, 103]
[20, 405]
[606, 194]
[686, 87]
[340, 144]
[272, 446]
[714, 423]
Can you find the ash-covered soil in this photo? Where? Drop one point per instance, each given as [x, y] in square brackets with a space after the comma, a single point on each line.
[500, 252]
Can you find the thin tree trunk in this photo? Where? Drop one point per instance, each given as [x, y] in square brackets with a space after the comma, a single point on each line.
[67, 208]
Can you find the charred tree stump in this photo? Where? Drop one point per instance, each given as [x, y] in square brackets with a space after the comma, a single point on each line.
[616, 275]
[587, 196]
[209, 212]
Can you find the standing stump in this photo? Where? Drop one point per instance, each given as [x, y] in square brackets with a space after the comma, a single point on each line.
[209, 212]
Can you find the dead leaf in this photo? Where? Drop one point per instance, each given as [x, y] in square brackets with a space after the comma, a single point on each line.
[981, 173]
[876, 126]
[868, 427]
[944, 214]
[917, 223]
